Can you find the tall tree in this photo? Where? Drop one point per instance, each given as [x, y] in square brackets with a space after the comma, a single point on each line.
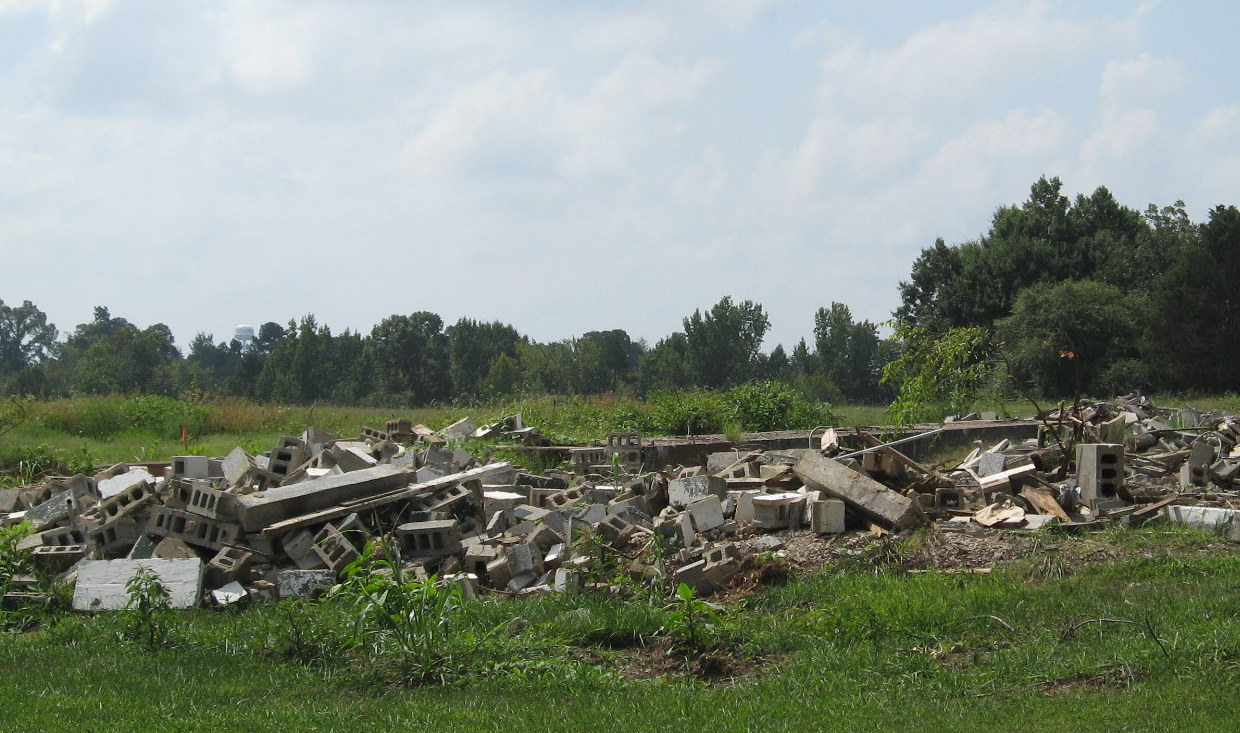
[724, 343]
[26, 338]
[1198, 312]
[847, 353]
[473, 346]
[411, 358]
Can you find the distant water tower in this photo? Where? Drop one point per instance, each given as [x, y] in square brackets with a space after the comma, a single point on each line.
[245, 335]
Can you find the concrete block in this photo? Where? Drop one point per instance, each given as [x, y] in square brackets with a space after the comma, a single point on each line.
[991, 463]
[826, 517]
[524, 558]
[304, 583]
[682, 491]
[1196, 470]
[1099, 470]
[949, 497]
[694, 576]
[115, 538]
[333, 549]
[116, 484]
[228, 565]
[198, 467]
[721, 564]
[1226, 521]
[192, 528]
[211, 503]
[433, 538]
[101, 583]
[494, 500]
[142, 549]
[55, 559]
[170, 548]
[776, 511]
[617, 529]
[707, 513]
[126, 503]
[498, 572]
[566, 580]
[459, 430]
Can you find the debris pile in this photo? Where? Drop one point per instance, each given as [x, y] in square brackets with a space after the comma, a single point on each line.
[288, 522]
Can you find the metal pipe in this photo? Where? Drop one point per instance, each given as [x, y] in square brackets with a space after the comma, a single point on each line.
[909, 439]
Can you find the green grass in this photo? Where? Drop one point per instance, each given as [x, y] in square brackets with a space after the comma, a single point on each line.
[845, 649]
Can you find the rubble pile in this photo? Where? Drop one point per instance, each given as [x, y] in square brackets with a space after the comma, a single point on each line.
[288, 522]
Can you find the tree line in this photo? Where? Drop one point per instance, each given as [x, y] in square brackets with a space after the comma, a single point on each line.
[1074, 296]
[415, 360]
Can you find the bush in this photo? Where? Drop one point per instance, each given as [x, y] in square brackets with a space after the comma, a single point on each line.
[776, 406]
[693, 412]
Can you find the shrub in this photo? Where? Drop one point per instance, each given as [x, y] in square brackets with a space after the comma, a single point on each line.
[776, 406]
[689, 412]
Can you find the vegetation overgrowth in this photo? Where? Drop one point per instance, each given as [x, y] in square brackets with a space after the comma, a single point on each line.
[1148, 641]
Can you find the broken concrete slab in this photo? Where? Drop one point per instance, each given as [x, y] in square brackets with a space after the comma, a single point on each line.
[116, 484]
[863, 494]
[257, 511]
[101, 583]
[1226, 521]
[682, 491]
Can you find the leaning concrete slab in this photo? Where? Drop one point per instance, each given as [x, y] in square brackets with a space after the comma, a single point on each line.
[101, 583]
[863, 494]
[257, 511]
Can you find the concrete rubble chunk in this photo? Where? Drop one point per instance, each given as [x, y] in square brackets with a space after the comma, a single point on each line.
[116, 484]
[863, 494]
[682, 491]
[101, 583]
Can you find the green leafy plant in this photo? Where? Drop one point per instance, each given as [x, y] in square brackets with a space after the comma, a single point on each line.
[148, 613]
[693, 620]
[414, 616]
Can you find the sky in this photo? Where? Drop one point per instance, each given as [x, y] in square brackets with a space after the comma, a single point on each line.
[568, 167]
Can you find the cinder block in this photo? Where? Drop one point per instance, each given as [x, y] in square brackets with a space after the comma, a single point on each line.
[194, 529]
[1100, 470]
[423, 539]
[335, 551]
[198, 467]
[228, 565]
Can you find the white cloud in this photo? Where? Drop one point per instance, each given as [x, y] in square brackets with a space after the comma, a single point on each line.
[1136, 82]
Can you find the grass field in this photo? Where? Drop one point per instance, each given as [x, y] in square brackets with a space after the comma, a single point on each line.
[847, 648]
[1127, 629]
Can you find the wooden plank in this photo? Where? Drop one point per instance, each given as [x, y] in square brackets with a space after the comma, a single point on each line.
[1045, 503]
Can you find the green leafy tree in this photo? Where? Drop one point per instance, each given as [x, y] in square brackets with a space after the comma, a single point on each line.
[666, 366]
[1197, 313]
[938, 372]
[723, 344]
[26, 338]
[1064, 339]
[411, 359]
[473, 346]
[118, 358]
[1045, 239]
[847, 353]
